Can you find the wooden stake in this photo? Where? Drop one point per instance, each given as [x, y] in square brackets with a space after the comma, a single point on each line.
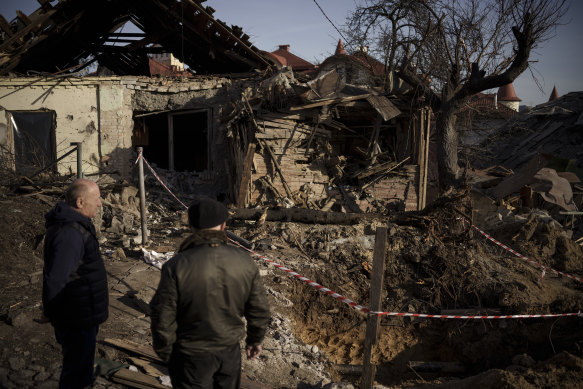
[246, 176]
[372, 322]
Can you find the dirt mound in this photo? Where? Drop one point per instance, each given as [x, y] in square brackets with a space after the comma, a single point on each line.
[435, 264]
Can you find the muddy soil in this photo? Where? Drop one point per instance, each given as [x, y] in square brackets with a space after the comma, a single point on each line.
[434, 264]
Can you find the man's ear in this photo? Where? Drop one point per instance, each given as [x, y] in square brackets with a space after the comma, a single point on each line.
[223, 226]
[79, 203]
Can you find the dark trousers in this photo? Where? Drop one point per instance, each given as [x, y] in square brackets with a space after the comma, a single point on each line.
[78, 347]
[206, 370]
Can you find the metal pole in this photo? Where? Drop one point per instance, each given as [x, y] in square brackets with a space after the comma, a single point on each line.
[142, 197]
[79, 158]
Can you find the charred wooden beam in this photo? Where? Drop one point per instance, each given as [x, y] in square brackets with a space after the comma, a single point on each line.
[5, 26]
[303, 215]
[329, 102]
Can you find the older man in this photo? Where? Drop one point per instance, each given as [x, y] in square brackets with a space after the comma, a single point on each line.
[75, 292]
[198, 309]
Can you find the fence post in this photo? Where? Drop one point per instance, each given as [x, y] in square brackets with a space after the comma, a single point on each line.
[372, 322]
[79, 158]
[142, 196]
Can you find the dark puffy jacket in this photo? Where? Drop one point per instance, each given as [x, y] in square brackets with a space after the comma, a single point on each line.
[204, 292]
[75, 293]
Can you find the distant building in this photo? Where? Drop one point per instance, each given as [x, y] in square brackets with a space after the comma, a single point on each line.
[166, 64]
[361, 69]
[507, 96]
[284, 57]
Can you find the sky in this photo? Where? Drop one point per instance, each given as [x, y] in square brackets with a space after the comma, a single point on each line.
[303, 26]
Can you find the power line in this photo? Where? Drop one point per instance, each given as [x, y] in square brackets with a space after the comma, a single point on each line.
[331, 22]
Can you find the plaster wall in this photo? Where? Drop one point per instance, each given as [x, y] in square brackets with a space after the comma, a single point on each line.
[92, 111]
[98, 111]
[513, 105]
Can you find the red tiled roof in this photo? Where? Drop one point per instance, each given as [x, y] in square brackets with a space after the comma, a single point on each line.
[507, 93]
[486, 103]
[278, 58]
[374, 65]
[554, 94]
[296, 63]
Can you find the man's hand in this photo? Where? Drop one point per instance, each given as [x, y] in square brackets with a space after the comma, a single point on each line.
[253, 351]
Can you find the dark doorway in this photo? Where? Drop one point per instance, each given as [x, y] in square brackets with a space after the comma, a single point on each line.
[176, 140]
[34, 140]
[190, 141]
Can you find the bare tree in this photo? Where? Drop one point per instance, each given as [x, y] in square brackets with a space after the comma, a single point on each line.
[449, 50]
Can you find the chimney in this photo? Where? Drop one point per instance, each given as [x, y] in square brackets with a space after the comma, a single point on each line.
[284, 47]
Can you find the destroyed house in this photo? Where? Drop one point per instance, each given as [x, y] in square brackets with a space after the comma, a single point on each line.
[236, 128]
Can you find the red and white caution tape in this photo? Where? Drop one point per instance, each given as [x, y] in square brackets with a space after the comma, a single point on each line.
[155, 175]
[354, 304]
[524, 258]
[360, 308]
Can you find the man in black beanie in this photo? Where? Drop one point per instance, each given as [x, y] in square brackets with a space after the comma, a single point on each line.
[198, 309]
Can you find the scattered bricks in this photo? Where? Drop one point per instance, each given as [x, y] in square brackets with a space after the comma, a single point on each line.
[119, 254]
[16, 363]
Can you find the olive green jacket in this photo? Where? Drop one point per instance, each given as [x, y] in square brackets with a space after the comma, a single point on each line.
[204, 293]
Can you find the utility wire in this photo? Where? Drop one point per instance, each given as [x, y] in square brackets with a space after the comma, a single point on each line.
[331, 22]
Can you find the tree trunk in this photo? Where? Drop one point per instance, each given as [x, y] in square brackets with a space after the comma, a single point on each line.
[447, 142]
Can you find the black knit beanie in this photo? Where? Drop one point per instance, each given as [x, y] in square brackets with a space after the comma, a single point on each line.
[207, 213]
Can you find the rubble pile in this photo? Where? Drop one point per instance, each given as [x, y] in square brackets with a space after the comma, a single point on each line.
[435, 264]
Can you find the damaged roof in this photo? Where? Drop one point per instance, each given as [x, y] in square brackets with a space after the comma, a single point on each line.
[71, 34]
[553, 128]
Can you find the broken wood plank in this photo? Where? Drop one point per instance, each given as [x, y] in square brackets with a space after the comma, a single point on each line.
[278, 168]
[384, 107]
[23, 17]
[5, 26]
[283, 115]
[152, 369]
[248, 106]
[246, 176]
[136, 379]
[373, 147]
[385, 173]
[442, 367]
[329, 102]
[22, 32]
[374, 170]
[140, 349]
[328, 205]
[302, 215]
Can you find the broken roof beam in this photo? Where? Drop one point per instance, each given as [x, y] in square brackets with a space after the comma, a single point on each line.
[23, 17]
[384, 107]
[5, 26]
[329, 102]
[226, 29]
[40, 21]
